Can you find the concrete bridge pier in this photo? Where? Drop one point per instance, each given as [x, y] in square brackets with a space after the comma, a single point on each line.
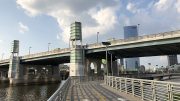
[3, 75]
[114, 69]
[15, 72]
[56, 72]
[96, 72]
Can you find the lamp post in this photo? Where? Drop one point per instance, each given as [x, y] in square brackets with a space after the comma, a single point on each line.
[30, 50]
[138, 28]
[157, 68]
[2, 56]
[149, 66]
[97, 36]
[49, 46]
[106, 44]
[111, 62]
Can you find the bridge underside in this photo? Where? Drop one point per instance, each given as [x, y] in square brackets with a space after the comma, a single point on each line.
[47, 61]
[153, 50]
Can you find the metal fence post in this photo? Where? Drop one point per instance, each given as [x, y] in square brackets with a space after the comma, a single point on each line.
[142, 92]
[132, 83]
[112, 82]
[126, 89]
[170, 95]
[116, 82]
[153, 91]
[120, 84]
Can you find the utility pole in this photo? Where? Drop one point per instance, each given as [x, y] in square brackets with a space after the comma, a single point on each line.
[2, 56]
[49, 46]
[97, 37]
[30, 50]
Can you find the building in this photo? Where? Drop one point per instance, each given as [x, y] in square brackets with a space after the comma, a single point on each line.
[131, 64]
[172, 59]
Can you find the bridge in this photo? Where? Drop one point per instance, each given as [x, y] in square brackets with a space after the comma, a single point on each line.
[166, 43]
[44, 67]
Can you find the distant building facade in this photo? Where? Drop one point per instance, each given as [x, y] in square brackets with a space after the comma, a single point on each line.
[131, 64]
[172, 59]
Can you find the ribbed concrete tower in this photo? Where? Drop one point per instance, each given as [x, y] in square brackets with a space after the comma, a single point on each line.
[77, 56]
[14, 60]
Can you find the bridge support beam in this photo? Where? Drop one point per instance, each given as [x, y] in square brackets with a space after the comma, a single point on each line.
[97, 67]
[14, 68]
[114, 69]
[3, 73]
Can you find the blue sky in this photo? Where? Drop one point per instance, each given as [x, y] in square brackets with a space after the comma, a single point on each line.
[37, 22]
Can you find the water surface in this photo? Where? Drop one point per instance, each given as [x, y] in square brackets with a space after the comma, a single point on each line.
[26, 92]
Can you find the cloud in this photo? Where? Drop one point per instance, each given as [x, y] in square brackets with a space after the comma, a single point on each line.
[23, 28]
[95, 15]
[178, 6]
[155, 17]
[131, 7]
[57, 36]
[163, 5]
[1, 41]
[107, 16]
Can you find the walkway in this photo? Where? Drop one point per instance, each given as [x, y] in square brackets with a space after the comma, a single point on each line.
[93, 91]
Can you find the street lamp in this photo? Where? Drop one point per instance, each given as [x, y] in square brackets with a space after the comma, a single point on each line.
[30, 50]
[49, 46]
[2, 56]
[157, 68]
[97, 36]
[106, 44]
[110, 52]
[138, 28]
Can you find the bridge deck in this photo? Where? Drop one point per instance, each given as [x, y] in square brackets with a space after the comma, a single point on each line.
[95, 91]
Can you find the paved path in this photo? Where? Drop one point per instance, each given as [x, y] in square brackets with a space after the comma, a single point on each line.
[92, 91]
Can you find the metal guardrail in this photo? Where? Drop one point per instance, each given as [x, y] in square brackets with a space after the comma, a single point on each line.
[55, 51]
[4, 61]
[147, 90]
[151, 37]
[61, 92]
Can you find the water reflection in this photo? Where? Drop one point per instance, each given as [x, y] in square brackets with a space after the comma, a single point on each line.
[26, 92]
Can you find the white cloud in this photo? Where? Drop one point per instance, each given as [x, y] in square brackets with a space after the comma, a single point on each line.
[57, 36]
[163, 5]
[178, 6]
[95, 15]
[106, 16]
[23, 28]
[1, 41]
[156, 17]
[131, 7]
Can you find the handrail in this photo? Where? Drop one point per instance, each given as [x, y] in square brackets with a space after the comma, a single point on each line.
[61, 92]
[148, 90]
[144, 38]
[5, 60]
[56, 51]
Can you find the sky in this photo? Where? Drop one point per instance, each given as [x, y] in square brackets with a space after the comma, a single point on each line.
[35, 23]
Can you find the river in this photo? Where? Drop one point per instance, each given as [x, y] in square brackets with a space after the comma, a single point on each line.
[26, 92]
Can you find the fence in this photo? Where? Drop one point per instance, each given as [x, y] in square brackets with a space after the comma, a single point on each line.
[151, 37]
[61, 92]
[147, 90]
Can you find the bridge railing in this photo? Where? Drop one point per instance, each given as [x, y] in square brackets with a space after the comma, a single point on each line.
[61, 92]
[4, 61]
[148, 90]
[56, 51]
[150, 37]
